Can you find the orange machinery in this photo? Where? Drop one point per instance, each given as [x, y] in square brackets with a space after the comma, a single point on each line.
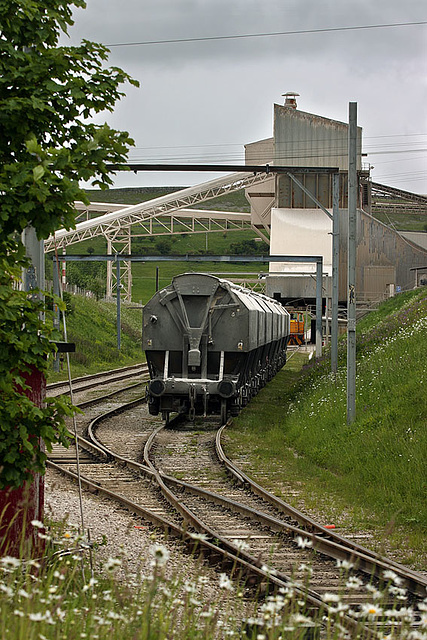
[297, 324]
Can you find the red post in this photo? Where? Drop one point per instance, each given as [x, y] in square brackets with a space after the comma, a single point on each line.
[19, 507]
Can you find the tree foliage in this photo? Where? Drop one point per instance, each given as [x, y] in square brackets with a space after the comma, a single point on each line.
[249, 247]
[48, 92]
[24, 346]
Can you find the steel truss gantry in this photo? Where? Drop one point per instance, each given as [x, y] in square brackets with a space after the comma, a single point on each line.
[166, 215]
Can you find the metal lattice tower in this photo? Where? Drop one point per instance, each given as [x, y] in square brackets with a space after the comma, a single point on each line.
[166, 215]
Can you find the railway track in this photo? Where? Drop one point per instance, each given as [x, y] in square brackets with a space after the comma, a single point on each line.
[181, 480]
[85, 383]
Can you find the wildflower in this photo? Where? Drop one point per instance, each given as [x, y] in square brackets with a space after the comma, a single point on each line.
[330, 597]
[353, 582]
[288, 592]
[377, 595]
[404, 613]
[23, 594]
[299, 618]
[391, 575]
[19, 613]
[114, 616]
[273, 605]
[112, 563]
[10, 561]
[7, 590]
[160, 555]
[225, 582]
[303, 542]
[189, 587]
[61, 614]
[305, 568]
[242, 545]
[37, 524]
[57, 574]
[344, 564]
[92, 582]
[36, 617]
[340, 609]
[398, 592]
[198, 536]
[269, 570]
[370, 610]
[43, 536]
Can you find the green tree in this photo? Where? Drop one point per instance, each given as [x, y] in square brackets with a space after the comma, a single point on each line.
[164, 246]
[249, 247]
[48, 144]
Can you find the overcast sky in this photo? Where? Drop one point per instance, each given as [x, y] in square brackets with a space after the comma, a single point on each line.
[201, 101]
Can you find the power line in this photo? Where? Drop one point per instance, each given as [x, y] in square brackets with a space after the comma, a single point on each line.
[267, 35]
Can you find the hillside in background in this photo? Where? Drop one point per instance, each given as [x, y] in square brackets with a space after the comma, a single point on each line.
[230, 202]
[410, 221]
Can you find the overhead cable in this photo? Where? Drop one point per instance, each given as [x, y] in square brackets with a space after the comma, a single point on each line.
[267, 35]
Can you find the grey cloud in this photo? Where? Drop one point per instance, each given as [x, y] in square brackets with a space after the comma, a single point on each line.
[201, 93]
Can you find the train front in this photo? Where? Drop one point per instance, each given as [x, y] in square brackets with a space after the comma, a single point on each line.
[202, 341]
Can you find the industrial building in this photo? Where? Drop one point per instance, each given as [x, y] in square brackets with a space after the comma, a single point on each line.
[283, 212]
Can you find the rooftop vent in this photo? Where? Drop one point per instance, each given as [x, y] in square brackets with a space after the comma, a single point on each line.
[290, 99]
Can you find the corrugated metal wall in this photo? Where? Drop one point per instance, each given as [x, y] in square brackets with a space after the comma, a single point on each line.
[383, 257]
[306, 140]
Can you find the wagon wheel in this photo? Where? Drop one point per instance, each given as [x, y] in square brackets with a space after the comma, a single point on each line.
[223, 411]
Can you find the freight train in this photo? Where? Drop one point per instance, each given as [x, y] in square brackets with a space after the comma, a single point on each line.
[210, 346]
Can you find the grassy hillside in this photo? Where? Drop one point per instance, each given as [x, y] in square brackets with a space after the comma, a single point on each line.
[371, 474]
[235, 201]
[92, 326]
[144, 274]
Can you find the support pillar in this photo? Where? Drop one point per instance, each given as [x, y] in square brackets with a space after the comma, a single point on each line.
[319, 274]
[351, 278]
[335, 270]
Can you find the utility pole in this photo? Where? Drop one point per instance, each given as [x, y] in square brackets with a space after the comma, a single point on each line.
[351, 251]
[119, 321]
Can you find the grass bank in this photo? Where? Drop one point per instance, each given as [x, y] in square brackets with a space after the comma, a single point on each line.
[92, 326]
[370, 474]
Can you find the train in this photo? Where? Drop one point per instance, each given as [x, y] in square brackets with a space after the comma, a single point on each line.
[210, 346]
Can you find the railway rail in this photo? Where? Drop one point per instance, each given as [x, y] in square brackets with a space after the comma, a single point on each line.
[182, 481]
